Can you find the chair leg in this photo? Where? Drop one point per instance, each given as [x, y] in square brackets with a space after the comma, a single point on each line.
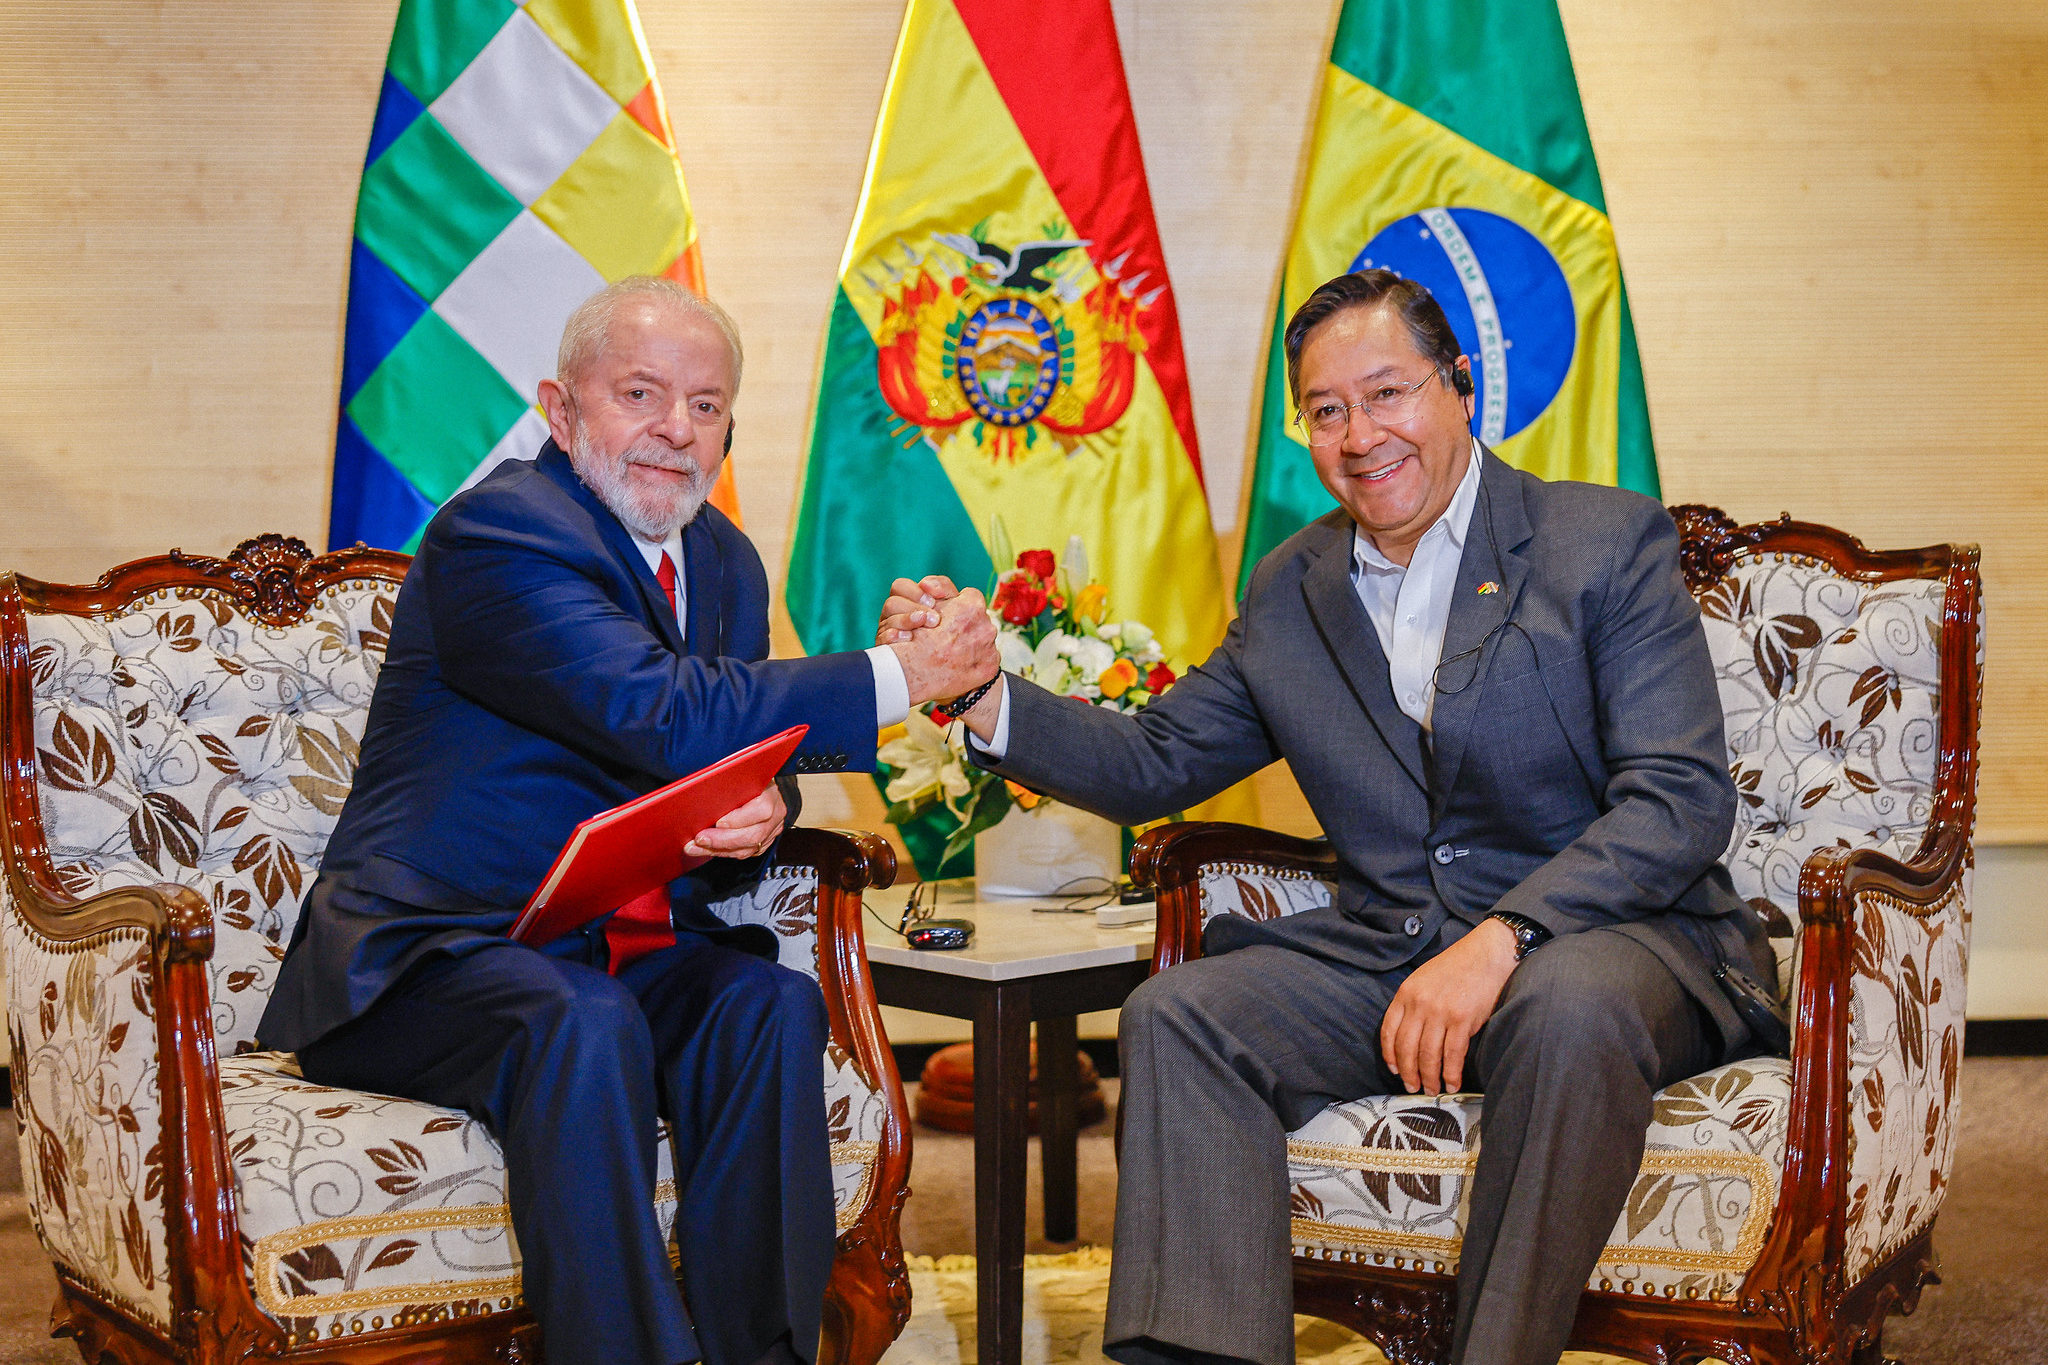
[866, 1303]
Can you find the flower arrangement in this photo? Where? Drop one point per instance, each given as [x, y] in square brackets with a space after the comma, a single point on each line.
[1052, 629]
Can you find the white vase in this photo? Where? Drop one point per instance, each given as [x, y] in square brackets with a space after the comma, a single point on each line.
[1052, 848]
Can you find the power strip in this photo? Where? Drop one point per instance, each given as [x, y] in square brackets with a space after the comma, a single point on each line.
[1116, 916]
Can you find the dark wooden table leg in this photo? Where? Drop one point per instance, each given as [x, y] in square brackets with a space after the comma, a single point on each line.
[1059, 1099]
[1002, 1069]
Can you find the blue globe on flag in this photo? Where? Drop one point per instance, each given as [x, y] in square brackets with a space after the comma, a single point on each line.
[1505, 296]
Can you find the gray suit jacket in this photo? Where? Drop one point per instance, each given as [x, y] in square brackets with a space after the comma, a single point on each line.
[1578, 769]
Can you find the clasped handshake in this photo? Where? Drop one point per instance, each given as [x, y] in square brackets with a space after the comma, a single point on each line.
[945, 641]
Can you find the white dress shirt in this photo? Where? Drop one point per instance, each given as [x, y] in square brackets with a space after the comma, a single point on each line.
[1409, 608]
[892, 689]
[1411, 605]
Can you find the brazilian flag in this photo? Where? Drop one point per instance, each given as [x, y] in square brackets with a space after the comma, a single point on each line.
[1450, 147]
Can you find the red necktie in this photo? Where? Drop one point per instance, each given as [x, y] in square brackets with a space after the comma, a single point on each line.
[642, 926]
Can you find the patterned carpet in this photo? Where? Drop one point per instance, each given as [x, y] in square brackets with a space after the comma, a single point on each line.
[1063, 1301]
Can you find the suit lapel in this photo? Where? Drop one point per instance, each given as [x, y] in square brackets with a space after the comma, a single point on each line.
[1348, 633]
[1472, 631]
[704, 573]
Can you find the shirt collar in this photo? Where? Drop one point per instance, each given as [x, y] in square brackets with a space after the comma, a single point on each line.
[650, 550]
[1453, 524]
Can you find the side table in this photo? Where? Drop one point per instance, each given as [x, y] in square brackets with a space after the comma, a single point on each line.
[1023, 967]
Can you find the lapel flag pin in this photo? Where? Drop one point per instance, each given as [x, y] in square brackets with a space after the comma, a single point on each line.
[1488, 588]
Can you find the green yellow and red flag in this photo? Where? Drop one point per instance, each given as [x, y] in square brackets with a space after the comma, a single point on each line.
[1450, 146]
[1003, 343]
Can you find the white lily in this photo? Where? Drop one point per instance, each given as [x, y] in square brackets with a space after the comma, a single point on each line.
[1092, 657]
[1015, 652]
[927, 762]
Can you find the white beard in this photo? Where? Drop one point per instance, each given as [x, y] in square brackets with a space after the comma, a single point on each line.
[650, 514]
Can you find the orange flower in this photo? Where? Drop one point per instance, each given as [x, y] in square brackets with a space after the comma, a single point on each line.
[1117, 678]
[1023, 796]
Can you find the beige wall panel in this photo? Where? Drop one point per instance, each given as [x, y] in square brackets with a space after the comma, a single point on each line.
[1831, 219]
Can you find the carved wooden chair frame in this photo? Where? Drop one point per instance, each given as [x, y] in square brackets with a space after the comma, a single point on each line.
[1793, 1305]
[214, 1313]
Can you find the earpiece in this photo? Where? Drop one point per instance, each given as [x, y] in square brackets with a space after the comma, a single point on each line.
[1461, 383]
[730, 424]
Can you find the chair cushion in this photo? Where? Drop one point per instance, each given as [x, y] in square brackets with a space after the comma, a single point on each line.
[364, 1212]
[184, 741]
[1386, 1179]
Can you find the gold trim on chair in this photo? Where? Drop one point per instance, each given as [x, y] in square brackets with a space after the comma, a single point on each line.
[846, 1154]
[272, 1249]
[1309, 1234]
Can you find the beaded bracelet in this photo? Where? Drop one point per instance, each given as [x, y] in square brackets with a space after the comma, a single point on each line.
[964, 703]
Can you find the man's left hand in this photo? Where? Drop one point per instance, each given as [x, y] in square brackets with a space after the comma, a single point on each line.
[746, 832]
[1440, 1006]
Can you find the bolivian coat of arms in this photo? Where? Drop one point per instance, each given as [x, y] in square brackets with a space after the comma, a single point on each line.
[1036, 340]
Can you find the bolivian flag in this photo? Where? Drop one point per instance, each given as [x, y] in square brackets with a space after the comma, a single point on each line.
[520, 159]
[1003, 341]
[1449, 146]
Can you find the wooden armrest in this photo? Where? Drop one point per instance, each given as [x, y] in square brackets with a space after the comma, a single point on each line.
[1169, 860]
[1810, 1222]
[850, 859]
[177, 918]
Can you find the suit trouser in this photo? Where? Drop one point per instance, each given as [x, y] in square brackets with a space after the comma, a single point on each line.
[568, 1067]
[1223, 1056]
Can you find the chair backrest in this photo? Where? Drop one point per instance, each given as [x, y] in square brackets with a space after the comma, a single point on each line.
[1837, 666]
[195, 720]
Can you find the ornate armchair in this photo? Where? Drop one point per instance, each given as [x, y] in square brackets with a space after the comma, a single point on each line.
[176, 741]
[1784, 1207]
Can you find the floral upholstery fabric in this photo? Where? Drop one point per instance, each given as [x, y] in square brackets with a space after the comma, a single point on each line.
[83, 1048]
[359, 1211]
[1257, 891]
[785, 899]
[1905, 1057]
[183, 741]
[1831, 688]
[1388, 1179]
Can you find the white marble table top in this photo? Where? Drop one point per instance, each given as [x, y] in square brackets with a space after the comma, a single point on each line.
[1011, 940]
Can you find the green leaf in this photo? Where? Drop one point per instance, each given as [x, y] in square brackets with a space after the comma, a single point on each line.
[986, 807]
[999, 548]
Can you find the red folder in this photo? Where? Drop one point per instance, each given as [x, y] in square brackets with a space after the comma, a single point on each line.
[623, 852]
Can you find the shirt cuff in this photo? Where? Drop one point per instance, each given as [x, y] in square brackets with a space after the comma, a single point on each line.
[998, 746]
[892, 689]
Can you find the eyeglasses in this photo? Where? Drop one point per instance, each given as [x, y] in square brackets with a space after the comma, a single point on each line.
[920, 907]
[1328, 419]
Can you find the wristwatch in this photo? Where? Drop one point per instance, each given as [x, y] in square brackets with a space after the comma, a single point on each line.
[1529, 935]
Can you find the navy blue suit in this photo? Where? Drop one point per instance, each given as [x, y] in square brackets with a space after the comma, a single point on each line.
[535, 676]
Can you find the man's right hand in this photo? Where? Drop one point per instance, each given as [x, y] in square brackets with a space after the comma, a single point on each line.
[949, 649]
[913, 606]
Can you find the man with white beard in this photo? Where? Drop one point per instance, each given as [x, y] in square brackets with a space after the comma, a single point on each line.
[575, 631]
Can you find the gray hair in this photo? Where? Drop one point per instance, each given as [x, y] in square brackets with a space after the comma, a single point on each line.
[588, 330]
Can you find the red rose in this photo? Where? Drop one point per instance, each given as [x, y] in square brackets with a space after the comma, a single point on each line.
[1038, 563]
[1020, 600]
[1159, 679]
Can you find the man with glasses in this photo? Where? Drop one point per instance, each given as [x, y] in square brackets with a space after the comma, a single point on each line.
[1496, 695]
[577, 630]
